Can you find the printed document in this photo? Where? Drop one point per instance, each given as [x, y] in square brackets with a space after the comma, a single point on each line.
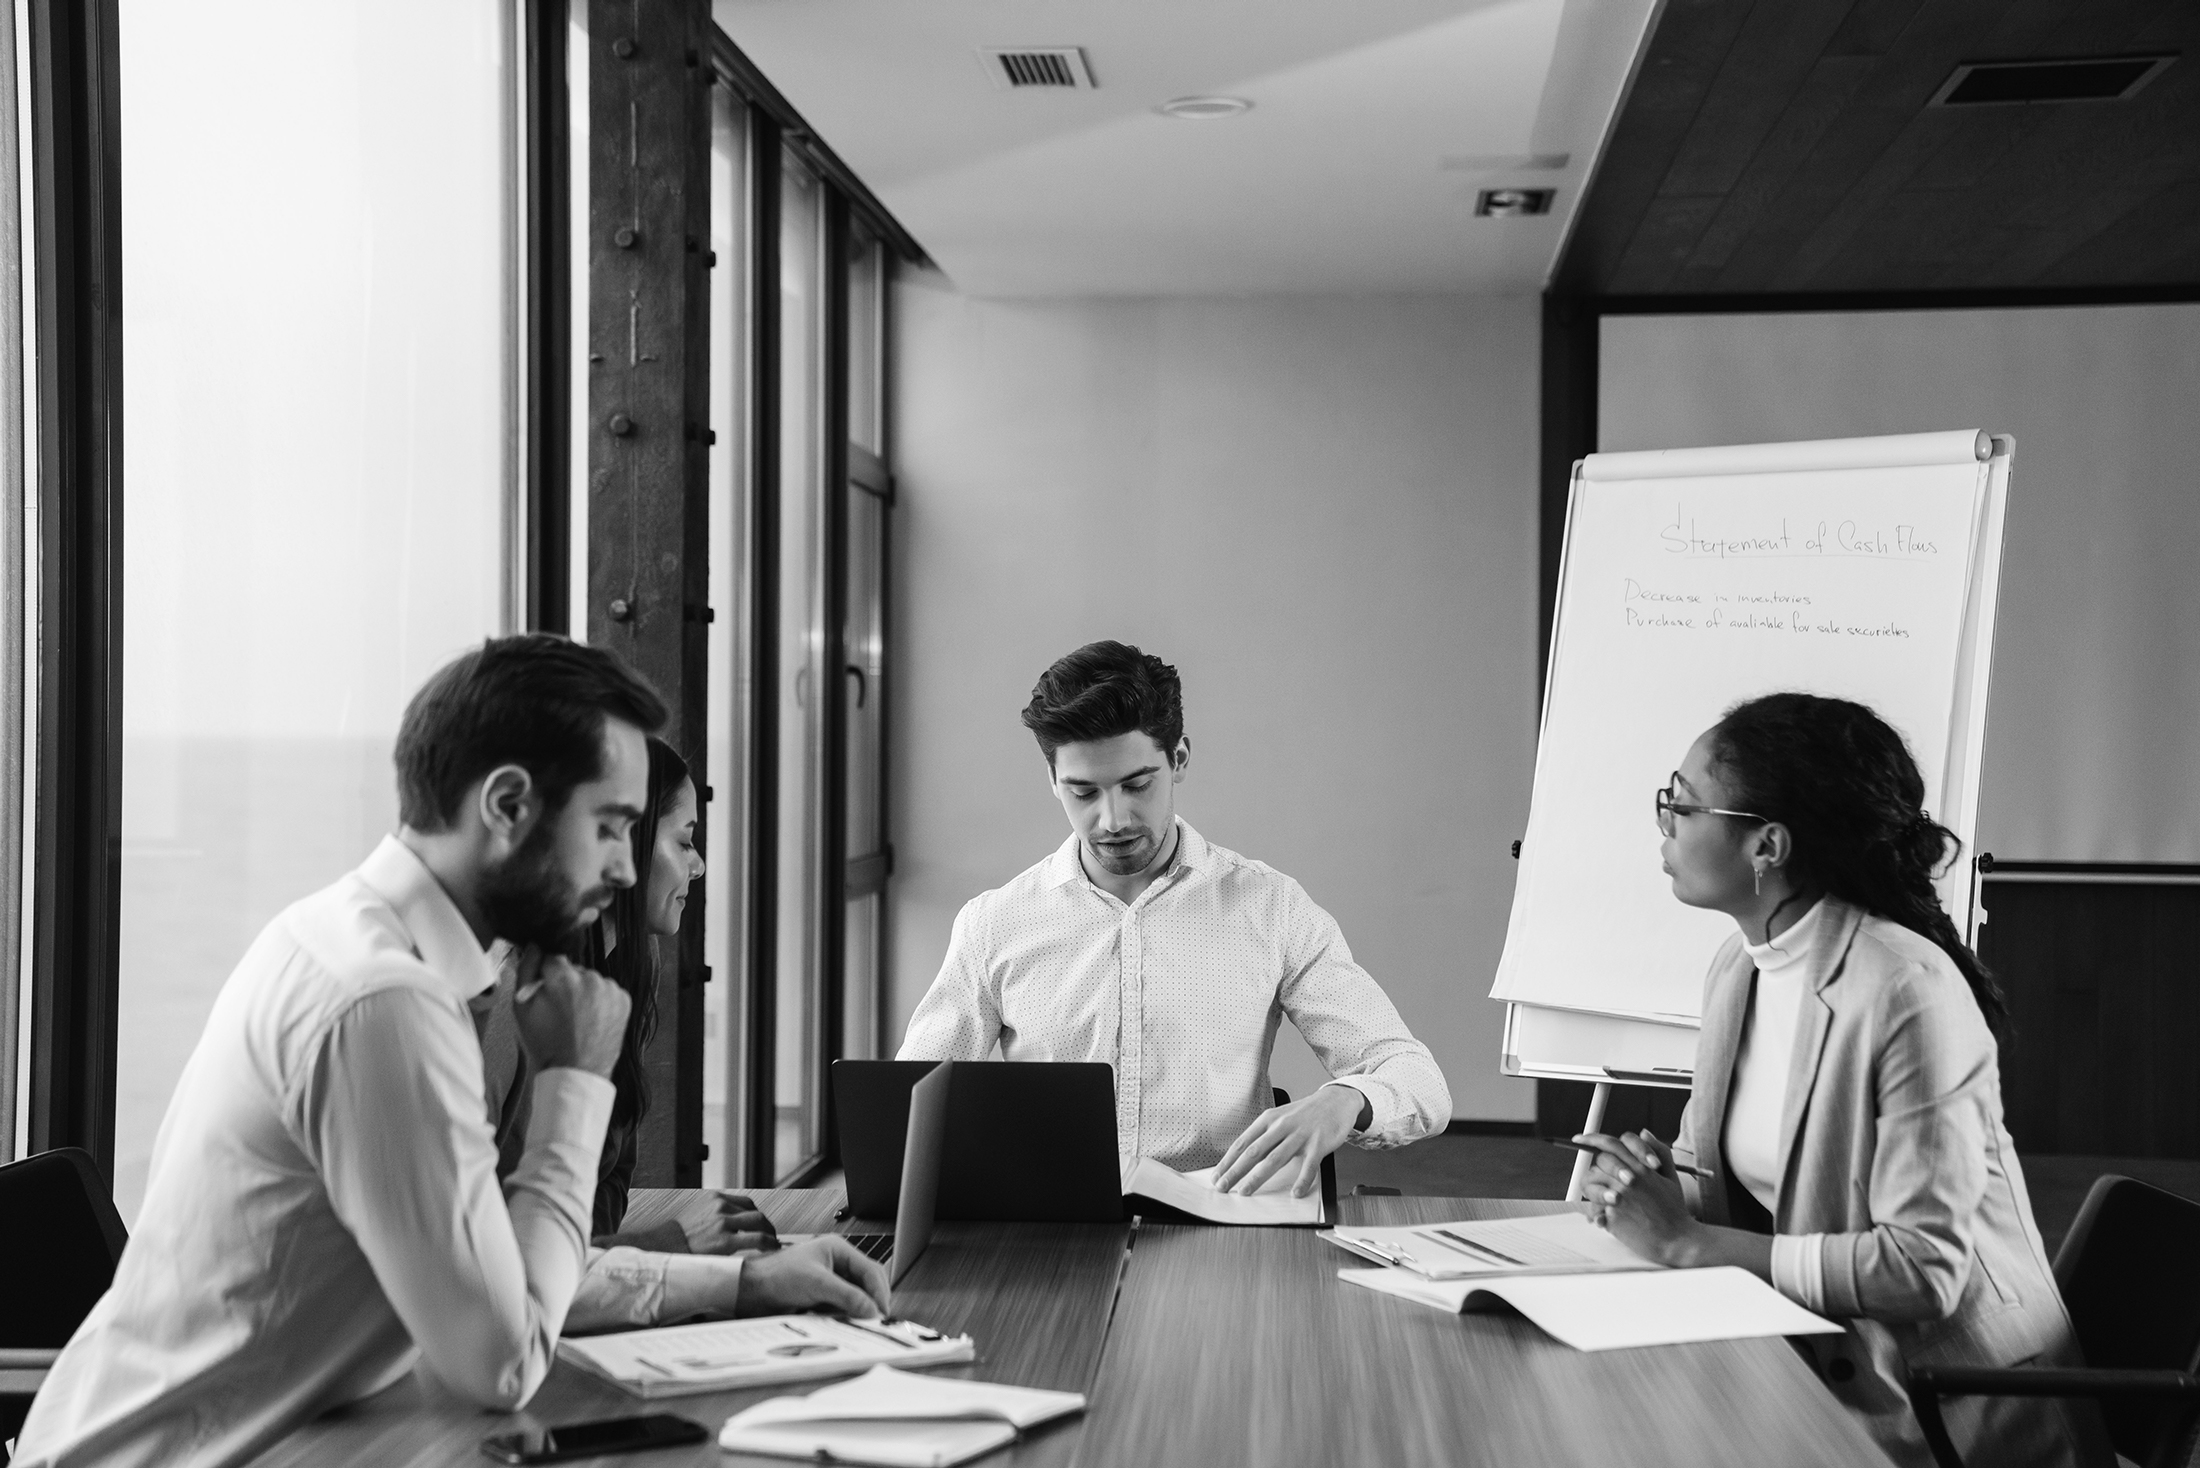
[1552, 1243]
[713, 1355]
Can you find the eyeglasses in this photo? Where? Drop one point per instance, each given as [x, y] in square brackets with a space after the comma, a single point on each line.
[1668, 808]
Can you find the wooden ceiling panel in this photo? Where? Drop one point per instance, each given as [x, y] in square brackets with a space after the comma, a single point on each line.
[1787, 147]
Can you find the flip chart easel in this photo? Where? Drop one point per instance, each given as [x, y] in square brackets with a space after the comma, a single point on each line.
[1690, 580]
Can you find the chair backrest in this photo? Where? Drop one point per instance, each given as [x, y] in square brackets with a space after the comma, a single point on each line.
[1329, 1163]
[59, 1239]
[2129, 1270]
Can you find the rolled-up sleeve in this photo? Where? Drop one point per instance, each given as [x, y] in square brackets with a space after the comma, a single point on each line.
[959, 1017]
[1928, 1173]
[1356, 1032]
[481, 1275]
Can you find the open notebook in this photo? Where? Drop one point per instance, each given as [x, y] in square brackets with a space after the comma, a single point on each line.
[1606, 1312]
[891, 1418]
[1194, 1193]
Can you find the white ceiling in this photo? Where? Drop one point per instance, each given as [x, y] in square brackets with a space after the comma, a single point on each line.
[1374, 124]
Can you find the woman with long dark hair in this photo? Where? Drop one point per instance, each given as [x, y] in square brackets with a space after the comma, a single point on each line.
[654, 1276]
[1847, 1099]
[624, 945]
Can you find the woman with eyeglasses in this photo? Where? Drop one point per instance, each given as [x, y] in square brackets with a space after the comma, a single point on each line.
[1847, 1102]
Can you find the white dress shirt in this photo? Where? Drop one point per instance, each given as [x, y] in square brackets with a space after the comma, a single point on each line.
[1181, 991]
[323, 1206]
[1758, 1099]
[624, 1287]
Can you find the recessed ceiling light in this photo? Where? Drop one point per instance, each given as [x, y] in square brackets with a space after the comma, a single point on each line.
[1204, 109]
[1513, 203]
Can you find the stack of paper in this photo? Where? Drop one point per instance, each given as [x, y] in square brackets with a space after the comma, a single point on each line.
[1605, 1312]
[678, 1360]
[1552, 1243]
[890, 1417]
[1194, 1193]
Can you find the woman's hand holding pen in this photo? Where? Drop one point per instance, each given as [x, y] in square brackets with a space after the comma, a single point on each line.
[1633, 1191]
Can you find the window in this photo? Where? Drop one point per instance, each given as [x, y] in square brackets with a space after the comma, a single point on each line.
[315, 291]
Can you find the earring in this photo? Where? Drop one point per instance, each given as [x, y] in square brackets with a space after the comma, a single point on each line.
[1760, 881]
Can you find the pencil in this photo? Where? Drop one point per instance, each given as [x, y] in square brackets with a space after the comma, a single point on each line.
[1596, 1151]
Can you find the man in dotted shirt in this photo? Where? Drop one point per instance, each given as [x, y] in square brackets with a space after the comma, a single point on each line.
[1142, 944]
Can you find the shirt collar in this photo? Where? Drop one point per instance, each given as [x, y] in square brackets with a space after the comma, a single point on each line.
[440, 933]
[1065, 866]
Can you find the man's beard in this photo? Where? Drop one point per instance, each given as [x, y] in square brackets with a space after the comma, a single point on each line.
[529, 902]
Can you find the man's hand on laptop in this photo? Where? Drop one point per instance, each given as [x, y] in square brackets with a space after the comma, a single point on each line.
[568, 1015]
[824, 1271]
[734, 1224]
[1298, 1135]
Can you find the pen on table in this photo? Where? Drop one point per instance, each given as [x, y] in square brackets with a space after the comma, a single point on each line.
[1595, 1151]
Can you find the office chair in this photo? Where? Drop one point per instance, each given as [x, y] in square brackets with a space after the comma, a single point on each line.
[59, 1239]
[1329, 1163]
[2129, 1271]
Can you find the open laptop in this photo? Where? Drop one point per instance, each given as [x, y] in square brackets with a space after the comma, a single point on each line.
[1024, 1141]
[916, 1207]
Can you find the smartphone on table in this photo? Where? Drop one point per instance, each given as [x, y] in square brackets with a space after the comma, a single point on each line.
[593, 1439]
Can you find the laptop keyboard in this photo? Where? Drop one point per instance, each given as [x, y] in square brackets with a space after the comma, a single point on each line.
[874, 1246]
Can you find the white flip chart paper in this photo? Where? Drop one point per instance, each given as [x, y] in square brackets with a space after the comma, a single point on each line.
[1683, 596]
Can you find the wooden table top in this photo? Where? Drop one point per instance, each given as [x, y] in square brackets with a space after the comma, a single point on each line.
[1224, 1346]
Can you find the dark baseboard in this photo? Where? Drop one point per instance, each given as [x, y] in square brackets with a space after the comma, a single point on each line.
[1464, 1128]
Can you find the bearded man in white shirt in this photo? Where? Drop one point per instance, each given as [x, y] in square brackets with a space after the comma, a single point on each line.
[1142, 944]
[323, 1208]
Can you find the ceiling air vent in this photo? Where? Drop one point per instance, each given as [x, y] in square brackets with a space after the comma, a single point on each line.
[1055, 67]
[2084, 79]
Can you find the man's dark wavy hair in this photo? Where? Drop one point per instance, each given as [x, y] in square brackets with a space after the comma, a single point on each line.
[1104, 689]
[1834, 773]
[535, 700]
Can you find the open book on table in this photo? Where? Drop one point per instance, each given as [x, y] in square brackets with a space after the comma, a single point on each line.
[890, 1417]
[1551, 1243]
[1194, 1193]
[1605, 1312]
[715, 1355]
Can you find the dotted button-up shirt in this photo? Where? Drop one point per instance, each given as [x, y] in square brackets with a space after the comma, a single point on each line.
[1181, 991]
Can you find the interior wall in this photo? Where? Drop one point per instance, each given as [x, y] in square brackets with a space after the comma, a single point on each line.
[1323, 512]
[2093, 732]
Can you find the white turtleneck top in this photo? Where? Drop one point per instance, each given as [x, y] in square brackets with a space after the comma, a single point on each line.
[1757, 1099]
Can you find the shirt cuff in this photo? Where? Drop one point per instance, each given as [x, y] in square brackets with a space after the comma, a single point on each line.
[623, 1288]
[1374, 1100]
[1799, 1268]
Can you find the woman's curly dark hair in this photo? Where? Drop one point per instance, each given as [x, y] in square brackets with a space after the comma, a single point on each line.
[1838, 777]
[620, 946]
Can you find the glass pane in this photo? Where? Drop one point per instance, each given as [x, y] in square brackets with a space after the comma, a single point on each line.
[799, 1129]
[866, 366]
[576, 256]
[313, 362]
[18, 677]
[866, 672]
[865, 633]
[727, 760]
[859, 1039]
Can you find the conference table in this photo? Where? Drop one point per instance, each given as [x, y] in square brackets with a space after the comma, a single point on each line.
[1213, 1346]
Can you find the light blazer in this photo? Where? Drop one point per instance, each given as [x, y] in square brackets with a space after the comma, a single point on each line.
[1893, 1147]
